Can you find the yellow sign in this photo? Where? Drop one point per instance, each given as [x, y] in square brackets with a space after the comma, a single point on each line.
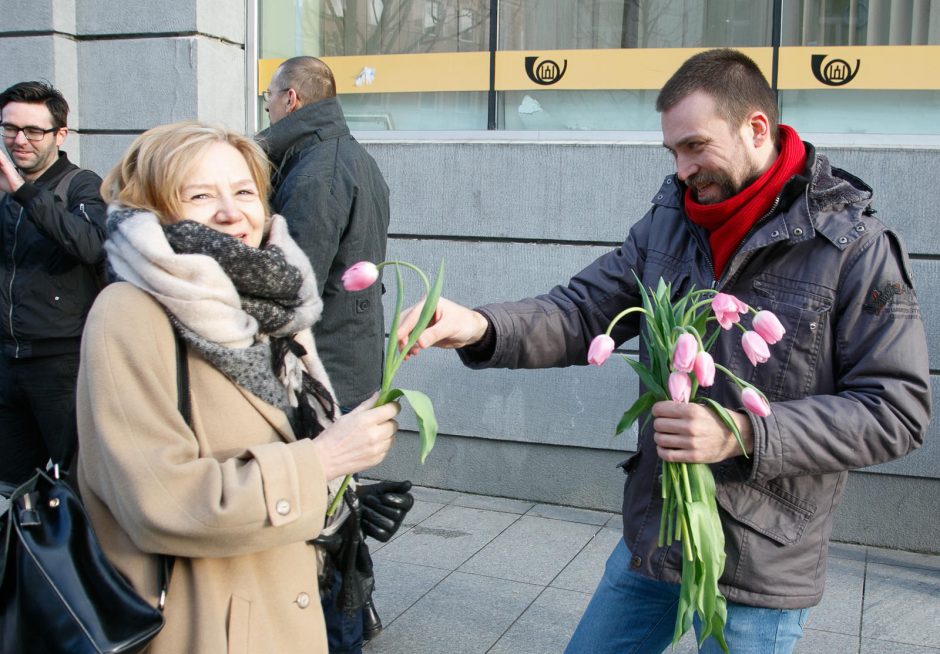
[637, 68]
[402, 73]
[863, 68]
[872, 67]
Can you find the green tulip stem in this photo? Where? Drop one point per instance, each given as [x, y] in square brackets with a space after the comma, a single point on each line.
[623, 313]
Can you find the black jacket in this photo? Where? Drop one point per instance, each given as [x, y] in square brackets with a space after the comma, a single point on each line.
[848, 384]
[335, 201]
[49, 251]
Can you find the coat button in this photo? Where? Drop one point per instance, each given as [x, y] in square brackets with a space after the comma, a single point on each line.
[303, 600]
[282, 507]
[775, 233]
[843, 240]
[636, 561]
[798, 231]
[860, 228]
[659, 197]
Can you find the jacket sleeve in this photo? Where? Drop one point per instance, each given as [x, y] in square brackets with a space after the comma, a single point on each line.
[315, 218]
[79, 227]
[139, 456]
[881, 405]
[556, 329]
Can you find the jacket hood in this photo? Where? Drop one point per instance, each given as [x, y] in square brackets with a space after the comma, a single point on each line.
[315, 122]
[832, 187]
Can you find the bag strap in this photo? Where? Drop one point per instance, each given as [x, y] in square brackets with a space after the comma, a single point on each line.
[62, 188]
[184, 403]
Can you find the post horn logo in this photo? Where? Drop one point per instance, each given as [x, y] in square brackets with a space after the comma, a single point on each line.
[837, 72]
[546, 73]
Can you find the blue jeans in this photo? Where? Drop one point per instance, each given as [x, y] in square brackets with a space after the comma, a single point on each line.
[632, 614]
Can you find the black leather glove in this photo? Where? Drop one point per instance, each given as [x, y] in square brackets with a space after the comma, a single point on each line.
[382, 508]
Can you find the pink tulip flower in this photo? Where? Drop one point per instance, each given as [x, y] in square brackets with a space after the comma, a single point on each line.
[680, 387]
[755, 347]
[768, 326]
[360, 276]
[728, 309]
[704, 369]
[601, 348]
[755, 403]
[683, 356]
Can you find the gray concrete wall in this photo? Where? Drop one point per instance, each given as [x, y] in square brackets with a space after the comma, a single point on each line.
[125, 67]
[512, 219]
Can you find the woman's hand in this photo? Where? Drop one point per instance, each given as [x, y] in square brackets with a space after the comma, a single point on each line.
[358, 440]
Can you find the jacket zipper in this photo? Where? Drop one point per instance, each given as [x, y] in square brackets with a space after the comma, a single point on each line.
[725, 280]
[16, 230]
[81, 208]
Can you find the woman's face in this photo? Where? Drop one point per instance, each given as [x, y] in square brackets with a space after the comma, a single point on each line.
[219, 192]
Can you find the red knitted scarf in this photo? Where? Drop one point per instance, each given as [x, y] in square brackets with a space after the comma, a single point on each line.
[729, 221]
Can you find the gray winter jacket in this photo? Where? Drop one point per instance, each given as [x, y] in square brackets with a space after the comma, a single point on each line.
[335, 201]
[848, 384]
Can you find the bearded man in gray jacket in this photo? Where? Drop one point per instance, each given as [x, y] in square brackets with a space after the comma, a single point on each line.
[335, 201]
[754, 212]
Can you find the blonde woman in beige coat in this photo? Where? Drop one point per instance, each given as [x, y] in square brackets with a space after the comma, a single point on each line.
[236, 496]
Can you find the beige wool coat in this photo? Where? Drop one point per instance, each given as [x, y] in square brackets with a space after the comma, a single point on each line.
[234, 499]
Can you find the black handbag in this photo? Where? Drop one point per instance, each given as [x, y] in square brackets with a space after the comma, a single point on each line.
[59, 592]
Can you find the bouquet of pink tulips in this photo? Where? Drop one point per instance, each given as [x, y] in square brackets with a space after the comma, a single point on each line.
[677, 341]
[362, 275]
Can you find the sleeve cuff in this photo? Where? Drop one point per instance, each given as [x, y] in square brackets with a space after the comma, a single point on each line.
[26, 193]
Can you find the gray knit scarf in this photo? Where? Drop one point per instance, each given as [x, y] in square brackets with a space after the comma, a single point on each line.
[198, 274]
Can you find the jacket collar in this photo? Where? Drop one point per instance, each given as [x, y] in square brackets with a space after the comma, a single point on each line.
[54, 172]
[315, 122]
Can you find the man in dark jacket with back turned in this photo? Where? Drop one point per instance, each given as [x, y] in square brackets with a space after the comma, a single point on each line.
[754, 212]
[335, 201]
[51, 235]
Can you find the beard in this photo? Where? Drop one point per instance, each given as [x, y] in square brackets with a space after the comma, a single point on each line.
[727, 186]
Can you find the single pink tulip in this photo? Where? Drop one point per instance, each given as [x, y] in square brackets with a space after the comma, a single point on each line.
[601, 348]
[683, 356]
[728, 309]
[360, 276]
[768, 326]
[755, 403]
[680, 386]
[704, 369]
[755, 347]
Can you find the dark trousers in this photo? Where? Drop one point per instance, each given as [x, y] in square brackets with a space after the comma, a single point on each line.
[37, 414]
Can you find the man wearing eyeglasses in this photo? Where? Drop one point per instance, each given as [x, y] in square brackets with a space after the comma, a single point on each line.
[51, 235]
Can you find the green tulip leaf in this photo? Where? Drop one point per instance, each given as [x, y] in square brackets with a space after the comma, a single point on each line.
[643, 403]
[646, 377]
[427, 311]
[424, 411]
[729, 422]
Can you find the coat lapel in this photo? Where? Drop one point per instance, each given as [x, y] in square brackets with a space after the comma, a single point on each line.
[275, 417]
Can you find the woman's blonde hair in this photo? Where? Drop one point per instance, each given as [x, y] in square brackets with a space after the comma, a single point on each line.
[151, 173]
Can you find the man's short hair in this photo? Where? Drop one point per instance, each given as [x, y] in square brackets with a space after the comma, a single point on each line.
[39, 93]
[311, 79]
[730, 77]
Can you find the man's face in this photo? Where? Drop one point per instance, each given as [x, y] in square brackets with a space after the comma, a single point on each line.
[278, 99]
[32, 157]
[713, 158]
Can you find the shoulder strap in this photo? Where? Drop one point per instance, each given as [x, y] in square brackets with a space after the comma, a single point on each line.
[184, 403]
[62, 188]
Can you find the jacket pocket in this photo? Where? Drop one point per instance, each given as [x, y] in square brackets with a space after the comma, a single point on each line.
[804, 311]
[239, 612]
[766, 509]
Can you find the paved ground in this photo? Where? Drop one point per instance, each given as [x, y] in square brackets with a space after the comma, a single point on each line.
[473, 574]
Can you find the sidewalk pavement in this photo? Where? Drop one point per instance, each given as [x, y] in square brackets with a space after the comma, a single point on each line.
[474, 574]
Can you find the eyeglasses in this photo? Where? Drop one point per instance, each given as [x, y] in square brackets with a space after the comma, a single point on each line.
[31, 133]
[267, 95]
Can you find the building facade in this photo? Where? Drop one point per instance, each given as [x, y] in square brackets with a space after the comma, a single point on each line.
[519, 141]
